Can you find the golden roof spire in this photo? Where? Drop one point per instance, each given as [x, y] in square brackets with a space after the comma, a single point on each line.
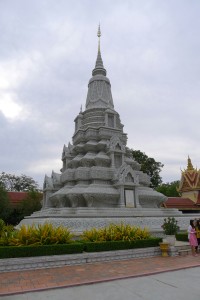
[189, 166]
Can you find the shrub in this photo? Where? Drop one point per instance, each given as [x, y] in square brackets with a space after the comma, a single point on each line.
[44, 234]
[182, 236]
[115, 232]
[120, 245]
[6, 232]
[170, 226]
[2, 224]
[30, 251]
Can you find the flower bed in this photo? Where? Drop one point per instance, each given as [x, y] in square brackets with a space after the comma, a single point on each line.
[45, 239]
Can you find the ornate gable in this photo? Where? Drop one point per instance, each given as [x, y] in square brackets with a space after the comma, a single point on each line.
[115, 144]
[190, 178]
[126, 175]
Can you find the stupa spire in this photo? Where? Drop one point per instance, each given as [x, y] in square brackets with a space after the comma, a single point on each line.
[99, 35]
[99, 68]
[99, 88]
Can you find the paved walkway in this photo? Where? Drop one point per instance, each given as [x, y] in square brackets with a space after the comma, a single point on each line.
[174, 285]
[12, 283]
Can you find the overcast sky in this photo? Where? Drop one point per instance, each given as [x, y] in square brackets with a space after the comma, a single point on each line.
[48, 48]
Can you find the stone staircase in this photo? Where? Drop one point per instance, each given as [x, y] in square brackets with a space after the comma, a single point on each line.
[182, 248]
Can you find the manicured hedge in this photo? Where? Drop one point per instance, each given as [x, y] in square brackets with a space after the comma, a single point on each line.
[28, 251]
[120, 245]
[182, 236]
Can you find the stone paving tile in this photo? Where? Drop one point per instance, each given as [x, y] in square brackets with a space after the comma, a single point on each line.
[65, 276]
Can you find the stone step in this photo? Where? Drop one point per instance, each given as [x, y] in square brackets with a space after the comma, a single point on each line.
[182, 248]
[184, 252]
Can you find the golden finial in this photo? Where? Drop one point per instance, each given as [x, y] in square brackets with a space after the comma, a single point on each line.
[99, 35]
[189, 166]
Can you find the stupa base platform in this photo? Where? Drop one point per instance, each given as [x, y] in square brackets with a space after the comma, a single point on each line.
[80, 219]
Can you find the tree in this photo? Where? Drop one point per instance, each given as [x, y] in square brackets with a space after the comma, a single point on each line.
[149, 166]
[31, 203]
[5, 207]
[169, 189]
[14, 217]
[13, 183]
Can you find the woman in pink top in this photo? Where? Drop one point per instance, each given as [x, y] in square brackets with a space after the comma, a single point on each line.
[192, 237]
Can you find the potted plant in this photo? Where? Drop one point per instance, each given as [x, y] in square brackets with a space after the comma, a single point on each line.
[170, 228]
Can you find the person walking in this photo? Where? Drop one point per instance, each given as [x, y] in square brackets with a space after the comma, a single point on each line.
[192, 237]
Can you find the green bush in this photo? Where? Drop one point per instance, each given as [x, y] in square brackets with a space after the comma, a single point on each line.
[182, 236]
[170, 226]
[30, 251]
[2, 224]
[74, 247]
[120, 245]
[6, 232]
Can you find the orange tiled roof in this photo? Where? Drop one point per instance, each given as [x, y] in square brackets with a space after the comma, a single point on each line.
[16, 197]
[182, 203]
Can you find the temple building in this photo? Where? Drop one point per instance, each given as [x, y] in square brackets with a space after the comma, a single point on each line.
[190, 183]
[189, 189]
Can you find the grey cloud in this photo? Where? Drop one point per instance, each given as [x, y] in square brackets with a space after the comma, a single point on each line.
[151, 52]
